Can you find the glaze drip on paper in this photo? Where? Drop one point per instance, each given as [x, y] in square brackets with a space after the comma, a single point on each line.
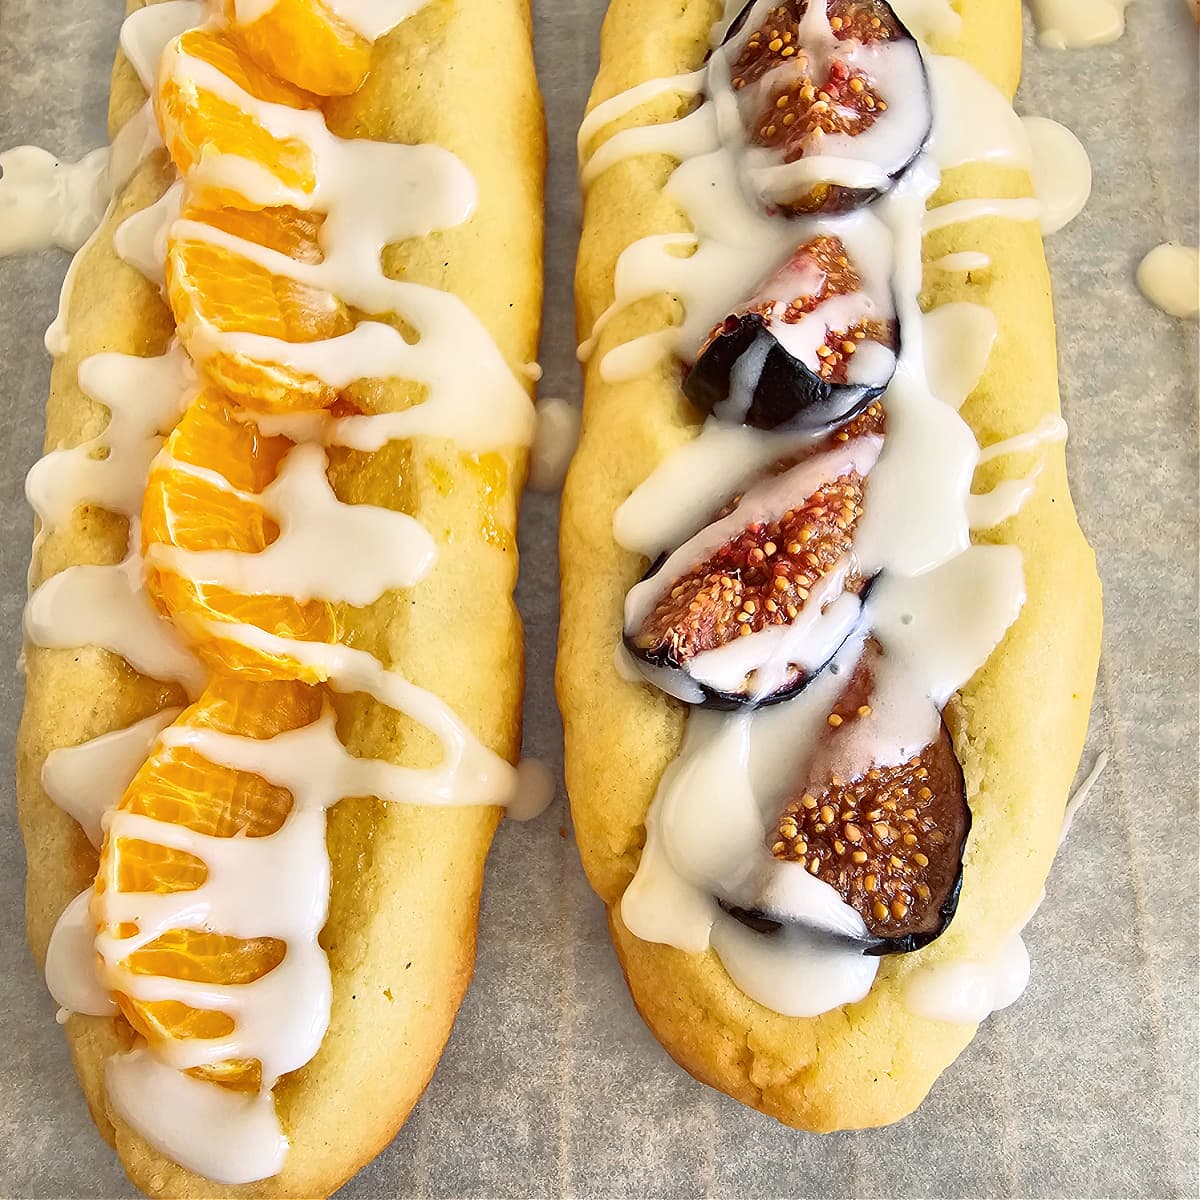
[45, 202]
[1078, 24]
[1169, 277]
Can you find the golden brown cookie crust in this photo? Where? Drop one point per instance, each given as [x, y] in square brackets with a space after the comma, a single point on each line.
[401, 930]
[1018, 725]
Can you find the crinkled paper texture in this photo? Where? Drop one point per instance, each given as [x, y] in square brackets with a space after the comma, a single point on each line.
[551, 1084]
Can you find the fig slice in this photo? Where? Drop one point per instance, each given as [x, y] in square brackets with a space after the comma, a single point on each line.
[883, 822]
[809, 351]
[833, 99]
[752, 606]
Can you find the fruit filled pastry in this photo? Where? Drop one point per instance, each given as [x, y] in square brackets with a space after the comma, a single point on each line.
[274, 667]
[830, 629]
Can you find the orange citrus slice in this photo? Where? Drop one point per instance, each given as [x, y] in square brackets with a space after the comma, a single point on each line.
[291, 231]
[178, 786]
[194, 512]
[303, 41]
[214, 291]
[198, 124]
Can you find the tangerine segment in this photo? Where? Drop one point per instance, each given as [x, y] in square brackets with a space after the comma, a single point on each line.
[214, 291]
[195, 608]
[204, 958]
[306, 43]
[198, 123]
[178, 786]
[164, 1020]
[149, 867]
[186, 789]
[207, 957]
[218, 49]
[170, 1020]
[194, 512]
[215, 434]
[232, 293]
[291, 231]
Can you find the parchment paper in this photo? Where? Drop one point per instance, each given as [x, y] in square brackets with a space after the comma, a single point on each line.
[551, 1084]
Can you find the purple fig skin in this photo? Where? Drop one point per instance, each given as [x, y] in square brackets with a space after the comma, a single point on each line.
[940, 911]
[788, 396]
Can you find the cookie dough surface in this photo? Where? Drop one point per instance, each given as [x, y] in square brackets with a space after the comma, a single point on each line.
[406, 880]
[1019, 724]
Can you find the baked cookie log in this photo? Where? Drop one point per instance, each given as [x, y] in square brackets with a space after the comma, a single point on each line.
[400, 935]
[1019, 724]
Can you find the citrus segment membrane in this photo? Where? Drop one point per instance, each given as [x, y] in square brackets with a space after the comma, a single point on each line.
[306, 42]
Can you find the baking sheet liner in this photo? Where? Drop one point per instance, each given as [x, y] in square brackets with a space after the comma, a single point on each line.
[551, 1084]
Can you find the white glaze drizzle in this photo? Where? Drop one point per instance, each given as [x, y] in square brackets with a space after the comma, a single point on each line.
[963, 991]
[137, 138]
[866, 160]
[469, 774]
[704, 833]
[147, 31]
[553, 444]
[535, 790]
[325, 550]
[145, 397]
[371, 19]
[828, 616]
[988, 509]
[962, 261]
[623, 103]
[958, 343]
[1169, 277]
[1082, 792]
[45, 202]
[88, 780]
[1051, 428]
[230, 1137]
[1005, 500]
[280, 1018]
[429, 189]
[72, 967]
[959, 212]
[141, 239]
[706, 829]
[735, 245]
[1062, 172]
[973, 121]
[108, 606]
[1077, 24]
[678, 497]
[765, 501]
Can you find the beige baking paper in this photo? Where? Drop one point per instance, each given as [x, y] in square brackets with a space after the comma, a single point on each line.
[551, 1085]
